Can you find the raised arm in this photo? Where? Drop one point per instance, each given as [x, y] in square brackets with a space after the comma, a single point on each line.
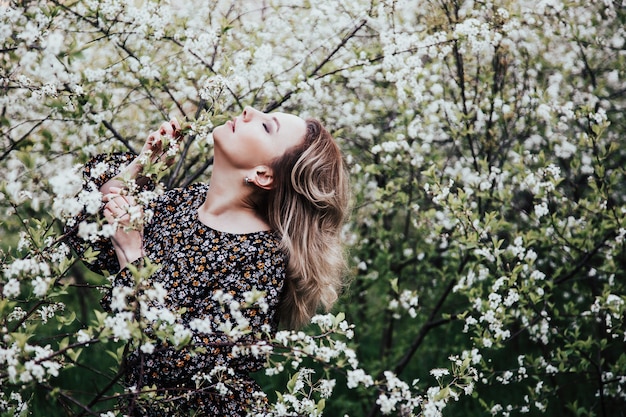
[120, 208]
[153, 150]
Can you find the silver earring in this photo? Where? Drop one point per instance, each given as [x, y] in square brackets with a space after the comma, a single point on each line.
[246, 180]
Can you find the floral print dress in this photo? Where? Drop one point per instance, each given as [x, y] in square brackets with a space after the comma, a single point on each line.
[196, 263]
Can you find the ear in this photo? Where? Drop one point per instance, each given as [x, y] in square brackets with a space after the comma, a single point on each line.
[264, 177]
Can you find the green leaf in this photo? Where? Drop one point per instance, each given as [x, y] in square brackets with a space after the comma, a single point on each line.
[444, 393]
[74, 354]
[341, 316]
[26, 158]
[321, 404]
[394, 285]
[64, 343]
[100, 317]
[291, 385]
[66, 320]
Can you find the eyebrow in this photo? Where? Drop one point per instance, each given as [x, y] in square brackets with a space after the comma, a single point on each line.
[277, 124]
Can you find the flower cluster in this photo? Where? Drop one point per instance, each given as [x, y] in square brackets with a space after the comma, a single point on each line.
[26, 363]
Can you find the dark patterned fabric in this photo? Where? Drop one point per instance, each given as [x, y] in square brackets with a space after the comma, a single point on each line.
[196, 261]
[105, 260]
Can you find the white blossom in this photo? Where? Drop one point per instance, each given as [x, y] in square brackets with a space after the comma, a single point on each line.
[439, 372]
[118, 297]
[147, 347]
[40, 286]
[11, 288]
[82, 336]
[120, 325]
[541, 209]
[358, 376]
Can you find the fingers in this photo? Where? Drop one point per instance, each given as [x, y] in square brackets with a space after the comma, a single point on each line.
[114, 192]
[108, 214]
[162, 144]
[166, 129]
[113, 212]
[175, 125]
[117, 205]
[171, 129]
[154, 141]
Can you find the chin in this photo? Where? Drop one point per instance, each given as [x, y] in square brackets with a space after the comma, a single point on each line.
[218, 132]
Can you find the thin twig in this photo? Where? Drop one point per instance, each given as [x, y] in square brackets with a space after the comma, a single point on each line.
[117, 135]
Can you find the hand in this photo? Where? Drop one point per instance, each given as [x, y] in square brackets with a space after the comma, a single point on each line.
[161, 145]
[122, 210]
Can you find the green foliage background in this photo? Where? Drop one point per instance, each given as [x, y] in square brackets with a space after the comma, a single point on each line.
[484, 142]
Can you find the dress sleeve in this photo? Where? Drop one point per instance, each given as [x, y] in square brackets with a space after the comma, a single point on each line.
[97, 172]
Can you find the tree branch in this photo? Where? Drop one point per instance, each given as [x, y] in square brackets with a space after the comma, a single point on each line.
[275, 104]
[117, 136]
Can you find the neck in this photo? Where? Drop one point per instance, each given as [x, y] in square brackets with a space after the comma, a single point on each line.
[226, 206]
[227, 192]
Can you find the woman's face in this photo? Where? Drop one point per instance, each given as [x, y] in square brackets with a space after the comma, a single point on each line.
[255, 138]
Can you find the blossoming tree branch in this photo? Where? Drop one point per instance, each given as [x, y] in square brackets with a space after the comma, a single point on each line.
[487, 234]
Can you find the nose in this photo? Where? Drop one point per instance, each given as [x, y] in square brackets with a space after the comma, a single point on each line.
[249, 113]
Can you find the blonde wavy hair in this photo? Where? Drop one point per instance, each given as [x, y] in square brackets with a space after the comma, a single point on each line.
[308, 205]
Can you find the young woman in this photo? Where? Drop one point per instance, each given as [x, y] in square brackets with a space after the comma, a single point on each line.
[270, 221]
